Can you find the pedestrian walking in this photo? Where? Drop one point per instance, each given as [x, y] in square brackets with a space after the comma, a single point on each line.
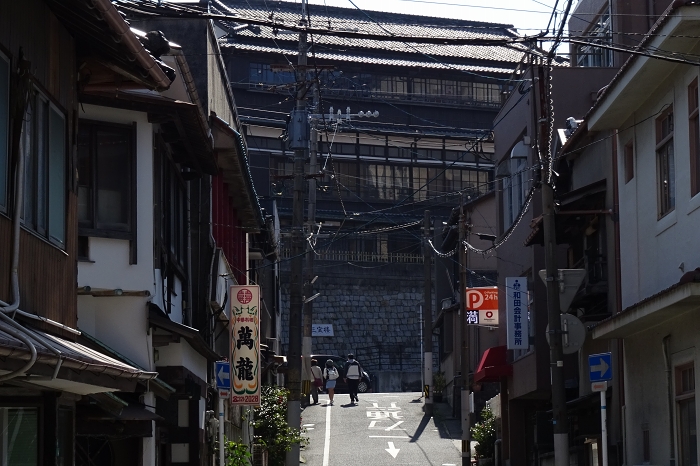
[353, 375]
[317, 383]
[330, 373]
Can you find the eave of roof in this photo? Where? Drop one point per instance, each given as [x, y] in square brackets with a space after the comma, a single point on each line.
[108, 34]
[193, 131]
[190, 334]
[599, 107]
[239, 168]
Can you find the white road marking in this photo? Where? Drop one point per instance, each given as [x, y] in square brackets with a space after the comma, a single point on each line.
[393, 451]
[308, 425]
[327, 441]
[389, 436]
[372, 424]
[395, 425]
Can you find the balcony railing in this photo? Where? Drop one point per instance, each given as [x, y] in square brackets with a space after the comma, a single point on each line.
[356, 256]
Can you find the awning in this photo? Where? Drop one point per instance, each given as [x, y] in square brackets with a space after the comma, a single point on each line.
[82, 370]
[667, 304]
[493, 365]
[188, 333]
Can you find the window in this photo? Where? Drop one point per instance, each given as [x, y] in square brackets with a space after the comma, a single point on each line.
[43, 149]
[19, 441]
[4, 127]
[106, 179]
[629, 161]
[665, 163]
[600, 33]
[694, 136]
[686, 420]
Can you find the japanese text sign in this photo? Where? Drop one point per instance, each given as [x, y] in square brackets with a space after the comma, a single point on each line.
[517, 302]
[482, 306]
[245, 345]
[322, 330]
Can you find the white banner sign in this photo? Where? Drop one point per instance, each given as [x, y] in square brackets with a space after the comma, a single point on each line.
[245, 345]
[517, 313]
[322, 330]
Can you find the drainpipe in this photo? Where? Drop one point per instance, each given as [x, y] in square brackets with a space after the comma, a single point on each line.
[21, 337]
[669, 386]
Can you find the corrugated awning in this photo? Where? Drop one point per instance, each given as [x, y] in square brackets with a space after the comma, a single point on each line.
[493, 365]
[83, 370]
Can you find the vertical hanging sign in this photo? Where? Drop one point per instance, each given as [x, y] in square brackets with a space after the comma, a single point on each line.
[517, 313]
[245, 345]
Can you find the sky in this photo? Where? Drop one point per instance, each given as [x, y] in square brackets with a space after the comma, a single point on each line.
[528, 16]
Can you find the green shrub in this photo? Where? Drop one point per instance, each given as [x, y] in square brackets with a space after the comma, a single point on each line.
[237, 454]
[484, 432]
[271, 428]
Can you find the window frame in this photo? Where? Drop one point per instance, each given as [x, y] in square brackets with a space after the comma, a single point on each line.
[46, 192]
[665, 164]
[685, 396]
[694, 136]
[92, 230]
[628, 160]
[4, 161]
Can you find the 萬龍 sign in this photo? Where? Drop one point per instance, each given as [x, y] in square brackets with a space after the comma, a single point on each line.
[322, 330]
[482, 306]
[245, 345]
[517, 328]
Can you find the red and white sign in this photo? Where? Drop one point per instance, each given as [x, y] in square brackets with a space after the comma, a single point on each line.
[245, 345]
[485, 301]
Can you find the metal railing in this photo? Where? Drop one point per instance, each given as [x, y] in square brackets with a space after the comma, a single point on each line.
[358, 256]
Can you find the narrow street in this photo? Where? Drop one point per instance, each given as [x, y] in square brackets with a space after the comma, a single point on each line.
[382, 429]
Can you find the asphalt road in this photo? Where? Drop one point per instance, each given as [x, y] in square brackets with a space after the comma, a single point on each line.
[382, 429]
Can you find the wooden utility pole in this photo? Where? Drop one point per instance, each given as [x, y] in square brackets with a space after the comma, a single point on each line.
[299, 140]
[310, 278]
[427, 317]
[464, 334]
[556, 355]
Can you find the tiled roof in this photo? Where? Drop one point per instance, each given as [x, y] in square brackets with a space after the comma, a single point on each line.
[377, 23]
[373, 60]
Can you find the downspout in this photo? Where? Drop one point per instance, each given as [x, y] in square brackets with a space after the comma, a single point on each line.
[618, 292]
[7, 308]
[21, 337]
[669, 386]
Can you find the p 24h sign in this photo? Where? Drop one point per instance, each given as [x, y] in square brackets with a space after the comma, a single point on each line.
[482, 305]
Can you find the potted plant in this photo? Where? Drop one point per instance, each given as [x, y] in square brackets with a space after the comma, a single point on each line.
[439, 383]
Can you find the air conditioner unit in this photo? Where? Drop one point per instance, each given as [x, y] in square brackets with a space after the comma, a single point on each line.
[273, 344]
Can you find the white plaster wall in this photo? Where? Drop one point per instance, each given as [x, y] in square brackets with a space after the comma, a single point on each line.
[110, 267]
[646, 385]
[651, 248]
[119, 322]
[182, 354]
[122, 322]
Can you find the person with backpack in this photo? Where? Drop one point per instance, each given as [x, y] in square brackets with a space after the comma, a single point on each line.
[330, 373]
[353, 375]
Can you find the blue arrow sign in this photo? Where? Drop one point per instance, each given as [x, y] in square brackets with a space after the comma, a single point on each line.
[222, 370]
[600, 366]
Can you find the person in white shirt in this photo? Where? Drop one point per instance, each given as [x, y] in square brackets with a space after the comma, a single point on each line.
[317, 383]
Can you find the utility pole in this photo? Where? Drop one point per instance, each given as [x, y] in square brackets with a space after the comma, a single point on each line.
[309, 273]
[298, 141]
[464, 331]
[556, 355]
[427, 317]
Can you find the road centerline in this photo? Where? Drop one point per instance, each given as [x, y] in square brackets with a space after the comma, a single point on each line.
[327, 440]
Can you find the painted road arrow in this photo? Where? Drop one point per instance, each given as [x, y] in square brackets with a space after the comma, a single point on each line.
[393, 451]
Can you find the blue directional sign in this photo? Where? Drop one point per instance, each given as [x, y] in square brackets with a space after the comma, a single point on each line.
[600, 366]
[223, 375]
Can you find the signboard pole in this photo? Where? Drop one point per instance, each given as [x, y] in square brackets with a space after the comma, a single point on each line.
[603, 427]
[222, 450]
